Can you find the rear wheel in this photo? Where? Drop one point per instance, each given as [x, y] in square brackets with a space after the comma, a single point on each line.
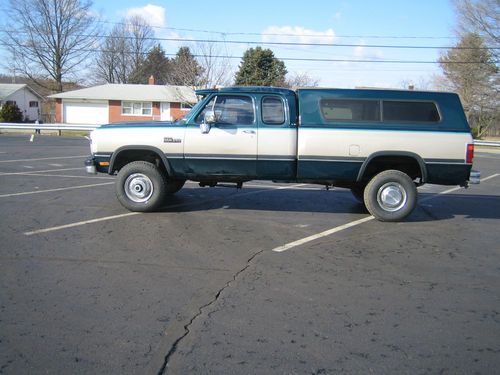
[390, 195]
[141, 186]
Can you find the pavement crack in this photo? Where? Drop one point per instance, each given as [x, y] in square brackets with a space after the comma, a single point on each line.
[187, 327]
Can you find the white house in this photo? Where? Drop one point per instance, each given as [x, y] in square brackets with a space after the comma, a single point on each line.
[123, 102]
[27, 99]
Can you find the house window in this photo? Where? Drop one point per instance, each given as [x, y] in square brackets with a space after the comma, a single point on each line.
[33, 104]
[137, 108]
[11, 102]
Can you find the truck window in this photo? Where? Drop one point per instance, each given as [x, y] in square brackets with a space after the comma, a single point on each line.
[402, 111]
[350, 110]
[230, 110]
[273, 110]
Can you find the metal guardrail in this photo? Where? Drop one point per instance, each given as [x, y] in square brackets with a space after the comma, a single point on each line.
[35, 126]
[487, 143]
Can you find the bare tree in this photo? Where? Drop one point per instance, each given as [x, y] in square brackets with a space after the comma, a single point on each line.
[481, 17]
[217, 69]
[124, 50]
[141, 39]
[295, 80]
[50, 39]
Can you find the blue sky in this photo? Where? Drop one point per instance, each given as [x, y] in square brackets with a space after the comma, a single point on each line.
[313, 21]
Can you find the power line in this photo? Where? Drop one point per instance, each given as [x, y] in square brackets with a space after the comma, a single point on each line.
[295, 58]
[295, 44]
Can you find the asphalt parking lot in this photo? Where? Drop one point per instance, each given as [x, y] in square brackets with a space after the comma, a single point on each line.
[270, 279]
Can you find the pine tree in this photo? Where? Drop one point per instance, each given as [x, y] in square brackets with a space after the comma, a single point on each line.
[261, 68]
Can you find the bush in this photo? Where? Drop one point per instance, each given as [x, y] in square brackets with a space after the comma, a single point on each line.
[10, 112]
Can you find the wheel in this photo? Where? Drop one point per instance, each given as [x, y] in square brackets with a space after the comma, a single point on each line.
[358, 193]
[173, 186]
[390, 196]
[140, 186]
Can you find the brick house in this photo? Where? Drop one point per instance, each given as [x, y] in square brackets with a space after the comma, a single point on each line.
[123, 102]
[26, 99]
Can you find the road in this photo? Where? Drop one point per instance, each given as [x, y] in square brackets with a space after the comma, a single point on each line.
[88, 287]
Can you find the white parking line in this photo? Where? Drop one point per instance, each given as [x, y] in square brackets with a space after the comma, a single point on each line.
[351, 224]
[97, 220]
[79, 223]
[64, 175]
[51, 190]
[52, 158]
[46, 170]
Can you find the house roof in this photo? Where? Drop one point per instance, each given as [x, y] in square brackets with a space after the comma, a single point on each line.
[7, 89]
[111, 91]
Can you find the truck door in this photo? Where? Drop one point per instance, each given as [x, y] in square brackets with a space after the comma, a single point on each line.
[229, 149]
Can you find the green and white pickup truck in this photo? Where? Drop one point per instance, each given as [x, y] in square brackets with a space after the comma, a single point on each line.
[381, 144]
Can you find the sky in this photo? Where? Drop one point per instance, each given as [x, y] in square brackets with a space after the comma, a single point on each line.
[366, 25]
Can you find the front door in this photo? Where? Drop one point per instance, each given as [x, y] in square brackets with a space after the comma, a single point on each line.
[229, 149]
[165, 112]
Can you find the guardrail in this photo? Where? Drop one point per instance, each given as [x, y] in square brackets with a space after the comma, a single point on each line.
[487, 143]
[35, 126]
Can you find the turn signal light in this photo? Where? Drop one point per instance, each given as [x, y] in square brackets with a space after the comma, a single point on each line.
[104, 163]
[470, 153]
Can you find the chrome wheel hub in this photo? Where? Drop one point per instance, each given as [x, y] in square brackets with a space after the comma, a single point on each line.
[391, 197]
[138, 187]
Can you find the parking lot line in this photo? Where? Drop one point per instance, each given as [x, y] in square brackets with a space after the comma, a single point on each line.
[79, 223]
[97, 220]
[46, 170]
[354, 223]
[51, 190]
[64, 175]
[39, 159]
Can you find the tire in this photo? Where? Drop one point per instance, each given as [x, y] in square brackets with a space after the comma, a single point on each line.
[358, 193]
[173, 186]
[390, 196]
[141, 186]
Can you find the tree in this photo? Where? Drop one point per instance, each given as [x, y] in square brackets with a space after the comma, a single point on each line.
[50, 39]
[481, 17]
[185, 69]
[217, 70]
[156, 64]
[260, 67]
[124, 50]
[470, 71]
[300, 80]
[10, 112]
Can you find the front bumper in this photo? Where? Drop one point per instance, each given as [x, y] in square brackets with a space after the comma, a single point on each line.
[91, 166]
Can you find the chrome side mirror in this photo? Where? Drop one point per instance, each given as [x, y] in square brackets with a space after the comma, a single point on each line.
[208, 120]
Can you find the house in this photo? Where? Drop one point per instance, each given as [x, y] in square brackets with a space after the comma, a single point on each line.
[26, 99]
[123, 102]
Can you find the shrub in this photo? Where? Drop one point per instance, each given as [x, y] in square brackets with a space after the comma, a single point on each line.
[10, 112]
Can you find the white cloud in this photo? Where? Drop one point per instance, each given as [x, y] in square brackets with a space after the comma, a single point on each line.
[296, 34]
[362, 52]
[153, 14]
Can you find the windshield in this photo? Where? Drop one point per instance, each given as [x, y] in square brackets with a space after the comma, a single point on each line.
[188, 115]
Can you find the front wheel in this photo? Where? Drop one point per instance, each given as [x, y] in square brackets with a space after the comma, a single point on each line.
[390, 195]
[140, 186]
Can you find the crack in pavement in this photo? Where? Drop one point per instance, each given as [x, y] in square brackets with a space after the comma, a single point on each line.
[164, 369]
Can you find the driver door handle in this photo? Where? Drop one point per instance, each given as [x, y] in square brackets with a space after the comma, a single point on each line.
[249, 131]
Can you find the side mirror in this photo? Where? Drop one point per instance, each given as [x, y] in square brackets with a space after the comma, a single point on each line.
[208, 119]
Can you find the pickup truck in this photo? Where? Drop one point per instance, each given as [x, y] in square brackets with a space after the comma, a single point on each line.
[380, 144]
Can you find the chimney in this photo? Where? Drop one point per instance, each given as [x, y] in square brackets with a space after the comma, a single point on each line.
[410, 87]
[151, 80]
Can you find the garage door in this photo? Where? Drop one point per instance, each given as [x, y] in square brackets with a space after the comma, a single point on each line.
[85, 113]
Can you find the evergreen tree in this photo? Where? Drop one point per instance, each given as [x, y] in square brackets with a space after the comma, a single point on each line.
[261, 68]
[10, 112]
[185, 69]
[156, 64]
